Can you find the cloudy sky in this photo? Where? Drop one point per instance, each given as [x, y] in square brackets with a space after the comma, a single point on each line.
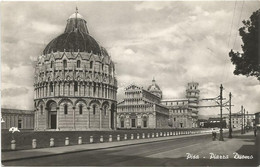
[175, 42]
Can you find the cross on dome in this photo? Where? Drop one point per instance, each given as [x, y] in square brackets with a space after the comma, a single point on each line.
[76, 15]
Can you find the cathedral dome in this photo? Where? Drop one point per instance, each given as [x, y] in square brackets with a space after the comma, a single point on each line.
[155, 89]
[75, 38]
[154, 86]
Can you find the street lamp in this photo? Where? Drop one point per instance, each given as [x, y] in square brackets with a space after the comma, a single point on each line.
[221, 130]
[244, 120]
[230, 126]
[247, 122]
[242, 126]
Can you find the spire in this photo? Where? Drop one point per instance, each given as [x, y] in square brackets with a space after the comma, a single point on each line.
[153, 80]
[76, 13]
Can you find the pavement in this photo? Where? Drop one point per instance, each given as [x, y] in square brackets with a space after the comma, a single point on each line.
[166, 151]
[44, 152]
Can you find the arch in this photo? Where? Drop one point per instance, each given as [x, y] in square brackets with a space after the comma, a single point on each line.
[94, 102]
[49, 102]
[105, 103]
[80, 100]
[65, 100]
[40, 101]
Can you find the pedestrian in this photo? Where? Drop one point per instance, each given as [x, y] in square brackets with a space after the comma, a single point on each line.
[214, 135]
[255, 129]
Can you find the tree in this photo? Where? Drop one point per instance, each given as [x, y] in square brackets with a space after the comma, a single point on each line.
[248, 62]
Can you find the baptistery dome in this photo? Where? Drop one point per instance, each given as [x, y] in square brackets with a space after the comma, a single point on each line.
[75, 38]
[75, 83]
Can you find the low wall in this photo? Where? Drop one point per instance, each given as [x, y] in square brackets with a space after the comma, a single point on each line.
[24, 138]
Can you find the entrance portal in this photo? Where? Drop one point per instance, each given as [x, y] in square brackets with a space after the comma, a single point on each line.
[52, 115]
[112, 116]
[53, 121]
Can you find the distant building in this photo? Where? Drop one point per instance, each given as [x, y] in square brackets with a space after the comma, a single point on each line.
[22, 119]
[184, 112]
[236, 119]
[215, 123]
[142, 109]
[257, 119]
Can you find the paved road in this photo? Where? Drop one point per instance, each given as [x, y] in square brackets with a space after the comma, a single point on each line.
[163, 153]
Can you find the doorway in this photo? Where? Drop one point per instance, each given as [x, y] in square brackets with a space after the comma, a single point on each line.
[53, 121]
[52, 115]
[112, 121]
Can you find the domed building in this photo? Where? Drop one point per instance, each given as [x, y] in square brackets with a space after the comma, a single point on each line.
[75, 85]
[155, 89]
[141, 108]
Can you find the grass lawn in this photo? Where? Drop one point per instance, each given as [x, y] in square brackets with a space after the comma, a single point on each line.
[24, 138]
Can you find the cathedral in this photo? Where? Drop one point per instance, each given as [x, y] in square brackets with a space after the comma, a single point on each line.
[141, 108]
[146, 108]
[75, 86]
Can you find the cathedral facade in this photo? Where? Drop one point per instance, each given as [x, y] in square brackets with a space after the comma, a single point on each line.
[75, 85]
[141, 108]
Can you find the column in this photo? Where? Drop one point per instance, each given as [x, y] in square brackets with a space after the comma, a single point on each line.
[83, 89]
[99, 90]
[36, 92]
[109, 117]
[87, 89]
[105, 91]
[59, 88]
[100, 118]
[91, 93]
[47, 89]
[72, 91]
[62, 88]
[108, 94]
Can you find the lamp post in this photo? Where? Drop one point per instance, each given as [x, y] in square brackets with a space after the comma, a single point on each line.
[244, 120]
[242, 126]
[221, 130]
[247, 121]
[230, 126]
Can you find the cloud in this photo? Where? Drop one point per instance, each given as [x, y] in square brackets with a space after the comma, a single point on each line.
[152, 6]
[11, 92]
[175, 42]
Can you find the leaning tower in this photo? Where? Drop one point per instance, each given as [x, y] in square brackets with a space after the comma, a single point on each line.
[192, 94]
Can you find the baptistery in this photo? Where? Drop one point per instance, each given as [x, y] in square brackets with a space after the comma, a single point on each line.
[75, 86]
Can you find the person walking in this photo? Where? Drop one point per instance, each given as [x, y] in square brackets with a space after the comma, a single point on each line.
[255, 129]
